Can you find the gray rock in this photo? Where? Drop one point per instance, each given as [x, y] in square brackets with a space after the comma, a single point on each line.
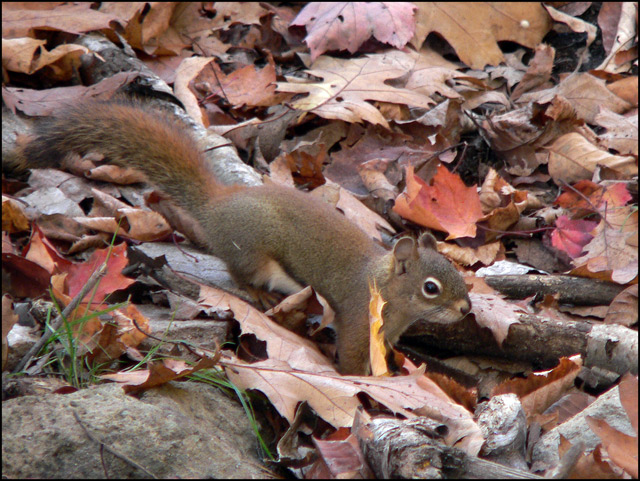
[179, 430]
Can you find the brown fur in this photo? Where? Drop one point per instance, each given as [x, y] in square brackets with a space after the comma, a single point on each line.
[269, 236]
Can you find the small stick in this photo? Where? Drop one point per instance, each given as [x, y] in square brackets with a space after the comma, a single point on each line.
[111, 450]
[93, 280]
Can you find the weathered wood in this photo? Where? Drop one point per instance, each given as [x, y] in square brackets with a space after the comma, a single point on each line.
[579, 291]
[535, 339]
[397, 448]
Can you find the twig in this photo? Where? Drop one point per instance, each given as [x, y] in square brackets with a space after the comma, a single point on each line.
[216, 353]
[434, 155]
[111, 450]
[55, 325]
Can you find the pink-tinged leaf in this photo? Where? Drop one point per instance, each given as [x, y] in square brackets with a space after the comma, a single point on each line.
[347, 25]
[571, 236]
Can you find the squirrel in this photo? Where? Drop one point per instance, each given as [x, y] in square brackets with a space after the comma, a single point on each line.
[270, 237]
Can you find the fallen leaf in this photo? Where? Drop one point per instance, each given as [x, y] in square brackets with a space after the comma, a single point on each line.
[354, 210]
[588, 94]
[540, 390]
[26, 55]
[348, 85]
[621, 131]
[70, 18]
[613, 249]
[334, 397]
[377, 345]
[41, 252]
[571, 236]
[444, 204]
[586, 197]
[79, 273]
[458, 23]
[159, 372]
[493, 312]
[282, 345]
[538, 73]
[347, 25]
[118, 336]
[623, 309]
[594, 465]
[342, 458]
[576, 24]
[622, 448]
[467, 256]
[24, 278]
[245, 86]
[13, 218]
[572, 158]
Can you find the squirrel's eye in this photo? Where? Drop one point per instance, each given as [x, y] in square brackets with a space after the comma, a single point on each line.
[431, 287]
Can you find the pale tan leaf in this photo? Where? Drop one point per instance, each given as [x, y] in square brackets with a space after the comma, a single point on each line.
[348, 84]
[613, 249]
[377, 348]
[572, 158]
[624, 308]
[622, 132]
[282, 344]
[474, 29]
[588, 94]
[334, 397]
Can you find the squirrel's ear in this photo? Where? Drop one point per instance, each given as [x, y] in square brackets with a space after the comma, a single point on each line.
[427, 241]
[403, 250]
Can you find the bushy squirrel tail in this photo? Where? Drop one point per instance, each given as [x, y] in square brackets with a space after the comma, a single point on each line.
[127, 134]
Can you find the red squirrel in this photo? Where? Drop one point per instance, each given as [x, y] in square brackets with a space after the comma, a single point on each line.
[271, 237]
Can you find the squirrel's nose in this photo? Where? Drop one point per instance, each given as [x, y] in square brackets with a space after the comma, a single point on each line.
[464, 306]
